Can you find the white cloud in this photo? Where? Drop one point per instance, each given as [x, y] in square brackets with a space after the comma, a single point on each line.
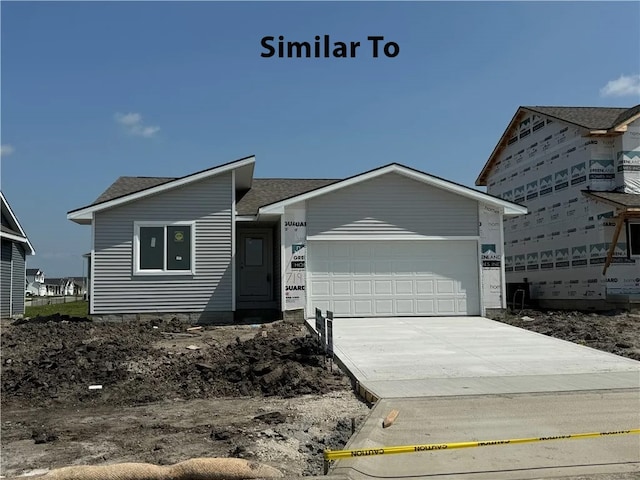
[135, 126]
[626, 85]
[6, 149]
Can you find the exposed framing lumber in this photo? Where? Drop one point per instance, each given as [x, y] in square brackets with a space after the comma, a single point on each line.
[620, 221]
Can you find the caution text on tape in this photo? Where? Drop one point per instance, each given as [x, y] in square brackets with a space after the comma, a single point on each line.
[367, 452]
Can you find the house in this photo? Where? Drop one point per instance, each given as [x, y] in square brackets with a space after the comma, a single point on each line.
[15, 248]
[577, 169]
[207, 246]
[69, 286]
[35, 282]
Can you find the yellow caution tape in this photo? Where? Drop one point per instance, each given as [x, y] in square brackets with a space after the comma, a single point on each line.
[366, 452]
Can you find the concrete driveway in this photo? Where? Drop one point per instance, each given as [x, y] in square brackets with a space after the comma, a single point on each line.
[443, 356]
[500, 417]
[462, 379]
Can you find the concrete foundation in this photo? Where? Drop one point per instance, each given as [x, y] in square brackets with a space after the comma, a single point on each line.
[294, 316]
[202, 318]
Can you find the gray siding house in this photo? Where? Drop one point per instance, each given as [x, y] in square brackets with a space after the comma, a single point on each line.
[218, 245]
[15, 247]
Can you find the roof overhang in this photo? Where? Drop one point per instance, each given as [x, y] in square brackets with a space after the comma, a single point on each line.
[21, 236]
[508, 208]
[243, 178]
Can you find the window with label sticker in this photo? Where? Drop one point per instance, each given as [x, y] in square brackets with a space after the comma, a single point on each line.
[163, 248]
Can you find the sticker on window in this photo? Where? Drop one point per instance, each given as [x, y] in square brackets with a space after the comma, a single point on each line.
[178, 236]
[153, 242]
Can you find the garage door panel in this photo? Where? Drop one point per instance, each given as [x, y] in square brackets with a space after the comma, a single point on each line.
[342, 287]
[405, 307]
[341, 307]
[362, 287]
[363, 307]
[424, 287]
[447, 305]
[340, 249]
[383, 287]
[321, 288]
[383, 268]
[425, 307]
[384, 307]
[445, 287]
[386, 278]
[340, 268]
[404, 287]
[361, 267]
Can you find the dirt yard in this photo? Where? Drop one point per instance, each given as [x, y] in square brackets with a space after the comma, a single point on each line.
[167, 394]
[79, 392]
[613, 332]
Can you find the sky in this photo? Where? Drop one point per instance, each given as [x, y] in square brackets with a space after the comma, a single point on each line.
[91, 91]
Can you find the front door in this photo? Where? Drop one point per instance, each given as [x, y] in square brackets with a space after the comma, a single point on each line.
[255, 275]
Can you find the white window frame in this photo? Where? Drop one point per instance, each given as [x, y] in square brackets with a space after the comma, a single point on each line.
[637, 225]
[136, 248]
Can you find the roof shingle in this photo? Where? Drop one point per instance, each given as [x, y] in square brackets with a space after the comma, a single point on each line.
[594, 118]
[264, 191]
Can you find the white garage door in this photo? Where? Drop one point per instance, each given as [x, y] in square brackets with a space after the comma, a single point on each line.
[389, 278]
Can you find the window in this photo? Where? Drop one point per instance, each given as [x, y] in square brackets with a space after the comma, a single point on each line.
[634, 239]
[164, 248]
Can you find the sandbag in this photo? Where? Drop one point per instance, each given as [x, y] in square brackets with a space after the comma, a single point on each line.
[193, 469]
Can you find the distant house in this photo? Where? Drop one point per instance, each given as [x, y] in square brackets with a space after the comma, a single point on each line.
[393, 241]
[76, 286]
[57, 287]
[35, 282]
[15, 247]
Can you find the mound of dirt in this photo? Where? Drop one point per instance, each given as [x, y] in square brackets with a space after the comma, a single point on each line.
[57, 361]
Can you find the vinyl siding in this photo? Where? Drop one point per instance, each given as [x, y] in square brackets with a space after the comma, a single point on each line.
[392, 205]
[19, 278]
[5, 279]
[117, 290]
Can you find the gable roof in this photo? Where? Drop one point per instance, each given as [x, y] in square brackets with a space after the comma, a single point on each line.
[14, 231]
[122, 191]
[509, 208]
[594, 120]
[32, 271]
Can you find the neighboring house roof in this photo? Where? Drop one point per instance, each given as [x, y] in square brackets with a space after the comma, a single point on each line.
[14, 230]
[33, 271]
[9, 231]
[509, 208]
[121, 193]
[270, 190]
[62, 281]
[595, 120]
[621, 200]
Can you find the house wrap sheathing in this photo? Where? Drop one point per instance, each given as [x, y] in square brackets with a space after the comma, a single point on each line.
[578, 172]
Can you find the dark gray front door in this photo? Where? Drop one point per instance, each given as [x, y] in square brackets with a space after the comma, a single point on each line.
[255, 269]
